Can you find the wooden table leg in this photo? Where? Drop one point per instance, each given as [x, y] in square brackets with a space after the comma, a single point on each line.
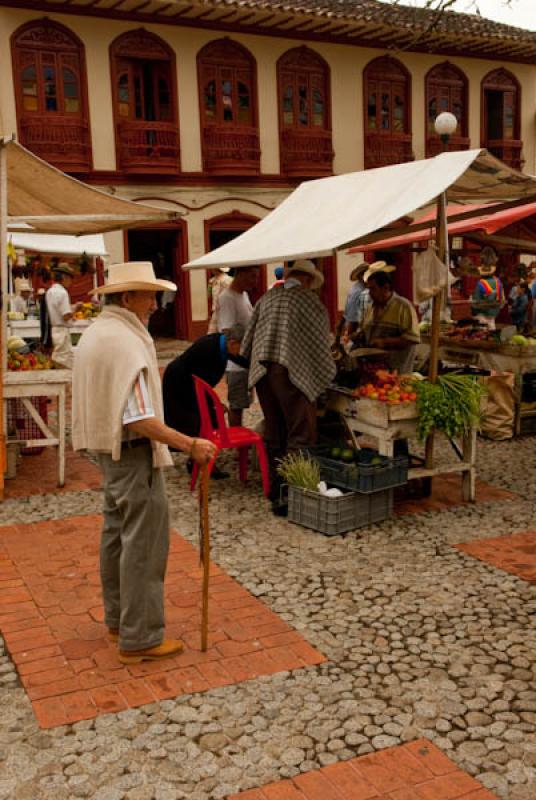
[61, 436]
[469, 477]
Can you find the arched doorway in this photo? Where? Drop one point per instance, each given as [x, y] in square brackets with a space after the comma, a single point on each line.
[165, 246]
[222, 229]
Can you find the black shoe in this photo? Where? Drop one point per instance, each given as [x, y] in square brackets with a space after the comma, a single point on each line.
[279, 509]
[218, 474]
[190, 466]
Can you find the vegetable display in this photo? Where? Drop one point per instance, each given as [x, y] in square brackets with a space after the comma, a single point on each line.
[452, 405]
[300, 470]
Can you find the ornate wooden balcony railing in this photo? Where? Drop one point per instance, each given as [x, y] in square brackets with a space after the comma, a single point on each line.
[381, 151]
[306, 153]
[61, 142]
[508, 150]
[144, 146]
[434, 145]
[231, 150]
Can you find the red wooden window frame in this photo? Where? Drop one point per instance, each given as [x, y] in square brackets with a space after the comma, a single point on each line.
[384, 144]
[447, 85]
[146, 138]
[507, 148]
[49, 69]
[305, 147]
[227, 73]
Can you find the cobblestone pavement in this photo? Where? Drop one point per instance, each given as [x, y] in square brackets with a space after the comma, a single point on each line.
[422, 640]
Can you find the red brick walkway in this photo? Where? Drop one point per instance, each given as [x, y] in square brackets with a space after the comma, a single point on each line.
[447, 493]
[38, 474]
[51, 619]
[415, 771]
[515, 554]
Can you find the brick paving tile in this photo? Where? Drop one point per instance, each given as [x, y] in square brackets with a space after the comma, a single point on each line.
[414, 771]
[447, 493]
[52, 622]
[38, 474]
[515, 554]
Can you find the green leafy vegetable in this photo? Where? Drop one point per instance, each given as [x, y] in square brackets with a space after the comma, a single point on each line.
[300, 470]
[452, 405]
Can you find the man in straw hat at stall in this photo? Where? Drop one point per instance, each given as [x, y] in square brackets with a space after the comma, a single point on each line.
[354, 307]
[117, 414]
[60, 312]
[390, 322]
[288, 344]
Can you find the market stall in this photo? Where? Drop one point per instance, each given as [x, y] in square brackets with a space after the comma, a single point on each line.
[36, 194]
[358, 209]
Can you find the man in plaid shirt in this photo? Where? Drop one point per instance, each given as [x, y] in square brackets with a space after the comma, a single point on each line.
[288, 345]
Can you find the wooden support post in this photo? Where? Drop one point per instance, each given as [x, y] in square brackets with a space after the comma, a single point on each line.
[3, 309]
[442, 248]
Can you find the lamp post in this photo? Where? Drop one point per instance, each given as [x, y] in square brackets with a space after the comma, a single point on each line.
[445, 125]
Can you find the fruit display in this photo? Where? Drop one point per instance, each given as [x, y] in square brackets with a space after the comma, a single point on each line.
[87, 311]
[24, 362]
[389, 387]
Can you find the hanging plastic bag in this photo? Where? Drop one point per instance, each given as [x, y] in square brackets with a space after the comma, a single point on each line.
[431, 275]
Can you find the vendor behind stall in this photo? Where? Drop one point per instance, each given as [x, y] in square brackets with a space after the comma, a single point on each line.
[390, 323]
[488, 297]
[23, 302]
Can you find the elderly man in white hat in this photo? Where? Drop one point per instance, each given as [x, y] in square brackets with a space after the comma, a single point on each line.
[287, 343]
[117, 414]
[390, 322]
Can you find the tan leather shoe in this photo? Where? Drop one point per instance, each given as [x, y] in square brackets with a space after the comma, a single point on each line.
[113, 634]
[169, 647]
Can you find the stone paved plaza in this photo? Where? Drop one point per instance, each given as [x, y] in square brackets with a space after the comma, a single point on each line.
[423, 641]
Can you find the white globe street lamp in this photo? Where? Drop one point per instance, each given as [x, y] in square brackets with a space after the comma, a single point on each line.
[445, 125]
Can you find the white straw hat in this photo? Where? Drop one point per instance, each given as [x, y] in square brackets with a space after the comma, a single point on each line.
[134, 276]
[378, 266]
[304, 265]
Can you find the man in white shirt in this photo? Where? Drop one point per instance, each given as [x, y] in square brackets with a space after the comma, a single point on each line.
[234, 308]
[60, 313]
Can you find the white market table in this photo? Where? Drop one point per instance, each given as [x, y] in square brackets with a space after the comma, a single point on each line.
[31, 328]
[41, 383]
[360, 418]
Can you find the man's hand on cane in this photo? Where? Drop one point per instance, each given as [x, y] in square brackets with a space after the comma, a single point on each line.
[203, 451]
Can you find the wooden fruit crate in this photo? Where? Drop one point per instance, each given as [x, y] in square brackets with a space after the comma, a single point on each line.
[382, 414]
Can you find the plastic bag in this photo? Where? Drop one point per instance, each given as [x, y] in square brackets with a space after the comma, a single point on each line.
[431, 275]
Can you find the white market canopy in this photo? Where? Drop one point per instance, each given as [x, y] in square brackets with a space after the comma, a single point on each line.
[52, 202]
[329, 214]
[61, 245]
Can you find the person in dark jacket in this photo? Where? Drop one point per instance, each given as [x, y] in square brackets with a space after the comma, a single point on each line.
[207, 358]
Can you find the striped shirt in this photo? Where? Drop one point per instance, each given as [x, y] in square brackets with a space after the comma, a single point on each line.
[139, 404]
[397, 319]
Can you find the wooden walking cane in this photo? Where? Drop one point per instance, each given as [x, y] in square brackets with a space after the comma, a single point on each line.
[204, 552]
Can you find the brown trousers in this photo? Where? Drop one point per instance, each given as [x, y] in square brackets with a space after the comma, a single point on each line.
[289, 418]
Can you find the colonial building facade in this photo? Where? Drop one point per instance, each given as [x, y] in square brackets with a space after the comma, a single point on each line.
[218, 109]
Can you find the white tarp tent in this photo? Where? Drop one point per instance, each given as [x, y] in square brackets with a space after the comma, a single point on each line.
[92, 245]
[329, 214]
[51, 202]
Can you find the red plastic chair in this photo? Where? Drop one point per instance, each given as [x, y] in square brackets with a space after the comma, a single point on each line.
[227, 438]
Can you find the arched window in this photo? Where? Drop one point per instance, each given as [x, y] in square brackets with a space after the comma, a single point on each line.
[501, 115]
[304, 113]
[51, 94]
[446, 90]
[145, 104]
[387, 93]
[228, 101]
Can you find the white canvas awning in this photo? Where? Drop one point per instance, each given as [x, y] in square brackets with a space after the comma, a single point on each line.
[61, 245]
[52, 202]
[329, 214]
